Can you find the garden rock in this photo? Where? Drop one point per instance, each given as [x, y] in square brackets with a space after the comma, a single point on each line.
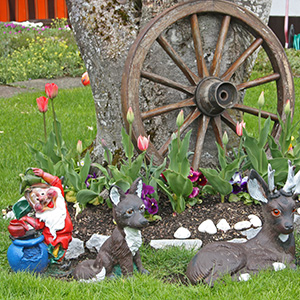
[208, 226]
[76, 248]
[182, 233]
[242, 225]
[223, 225]
[187, 244]
[96, 241]
[255, 221]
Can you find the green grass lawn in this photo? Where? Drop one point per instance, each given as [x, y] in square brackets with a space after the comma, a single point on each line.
[21, 122]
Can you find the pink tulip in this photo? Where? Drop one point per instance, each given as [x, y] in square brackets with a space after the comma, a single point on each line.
[51, 90]
[143, 142]
[239, 128]
[85, 78]
[79, 146]
[42, 103]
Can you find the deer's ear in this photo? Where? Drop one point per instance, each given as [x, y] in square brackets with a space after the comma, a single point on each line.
[257, 187]
[137, 187]
[115, 195]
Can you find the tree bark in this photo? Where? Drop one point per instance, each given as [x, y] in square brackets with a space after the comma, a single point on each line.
[104, 31]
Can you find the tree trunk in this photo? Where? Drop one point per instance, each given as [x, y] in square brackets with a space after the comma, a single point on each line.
[104, 31]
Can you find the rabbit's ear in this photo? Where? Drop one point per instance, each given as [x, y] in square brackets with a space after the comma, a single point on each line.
[115, 194]
[137, 187]
[257, 187]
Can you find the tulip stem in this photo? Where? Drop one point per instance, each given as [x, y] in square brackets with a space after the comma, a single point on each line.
[56, 130]
[129, 146]
[45, 129]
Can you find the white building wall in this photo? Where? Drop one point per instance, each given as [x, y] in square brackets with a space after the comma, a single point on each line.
[278, 8]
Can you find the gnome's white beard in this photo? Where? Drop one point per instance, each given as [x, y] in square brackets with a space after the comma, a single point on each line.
[54, 218]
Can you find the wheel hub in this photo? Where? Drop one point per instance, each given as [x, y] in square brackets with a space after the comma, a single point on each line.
[213, 96]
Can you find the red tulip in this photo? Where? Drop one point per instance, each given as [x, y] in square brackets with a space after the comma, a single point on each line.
[51, 90]
[42, 103]
[143, 142]
[85, 78]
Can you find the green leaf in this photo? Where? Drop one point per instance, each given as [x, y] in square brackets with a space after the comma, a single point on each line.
[164, 188]
[84, 172]
[179, 184]
[102, 169]
[219, 184]
[85, 196]
[133, 171]
[262, 140]
[275, 152]
[127, 144]
[98, 184]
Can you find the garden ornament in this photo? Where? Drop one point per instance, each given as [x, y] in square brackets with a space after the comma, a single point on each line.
[274, 245]
[50, 215]
[122, 247]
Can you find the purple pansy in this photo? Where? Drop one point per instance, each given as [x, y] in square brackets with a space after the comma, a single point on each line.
[194, 175]
[151, 205]
[87, 183]
[147, 190]
[238, 183]
[194, 192]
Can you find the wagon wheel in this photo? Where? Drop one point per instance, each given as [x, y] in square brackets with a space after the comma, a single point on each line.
[209, 93]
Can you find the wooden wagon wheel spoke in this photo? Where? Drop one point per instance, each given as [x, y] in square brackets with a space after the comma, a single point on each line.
[201, 64]
[209, 97]
[192, 77]
[192, 116]
[227, 119]
[217, 128]
[231, 70]
[167, 108]
[255, 111]
[258, 81]
[167, 82]
[202, 128]
[215, 66]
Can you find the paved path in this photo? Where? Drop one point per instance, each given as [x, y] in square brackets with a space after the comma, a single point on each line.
[7, 91]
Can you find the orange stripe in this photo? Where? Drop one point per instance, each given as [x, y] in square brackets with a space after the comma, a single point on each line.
[41, 9]
[21, 10]
[4, 11]
[60, 9]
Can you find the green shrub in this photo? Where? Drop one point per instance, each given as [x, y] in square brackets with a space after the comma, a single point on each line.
[41, 52]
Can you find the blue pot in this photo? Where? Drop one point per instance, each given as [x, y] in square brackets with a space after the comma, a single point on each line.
[28, 255]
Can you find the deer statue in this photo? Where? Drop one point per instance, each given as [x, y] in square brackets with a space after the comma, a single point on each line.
[274, 246]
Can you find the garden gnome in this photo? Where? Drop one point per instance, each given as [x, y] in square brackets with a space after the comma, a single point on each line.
[51, 214]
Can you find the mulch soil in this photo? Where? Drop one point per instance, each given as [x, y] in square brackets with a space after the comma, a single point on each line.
[98, 219]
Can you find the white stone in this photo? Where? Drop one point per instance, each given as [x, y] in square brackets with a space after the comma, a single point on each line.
[187, 244]
[223, 225]
[255, 221]
[244, 277]
[278, 266]
[208, 226]
[237, 241]
[76, 247]
[242, 225]
[96, 241]
[182, 233]
[251, 232]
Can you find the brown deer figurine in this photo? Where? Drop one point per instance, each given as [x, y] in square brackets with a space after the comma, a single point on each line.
[122, 247]
[274, 246]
